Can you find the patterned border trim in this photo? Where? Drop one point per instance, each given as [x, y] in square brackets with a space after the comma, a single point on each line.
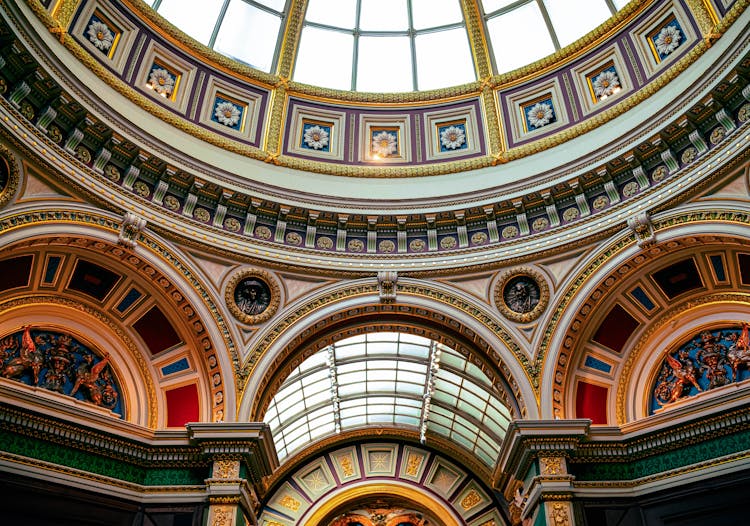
[273, 304]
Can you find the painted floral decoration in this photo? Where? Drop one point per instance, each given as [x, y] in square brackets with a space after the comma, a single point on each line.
[668, 39]
[161, 81]
[384, 144]
[540, 114]
[316, 137]
[100, 35]
[606, 83]
[452, 137]
[227, 113]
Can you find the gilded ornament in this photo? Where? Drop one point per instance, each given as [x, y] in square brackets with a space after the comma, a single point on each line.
[27, 110]
[659, 173]
[355, 245]
[600, 203]
[509, 232]
[252, 296]
[9, 176]
[560, 515]
[262, 232]
[571, 214]
[412, 465]
[112, 173]
[386, 246]
[202, 215]
[689, 155]
[324, 243]
[521, 294]
[293, 238]
[141, 189]
[743, 114]
[55, 134]
[222, 515]
[417, 245]
[470, 500]
[478, 238]
[448, 242]
[539, 224]
[171, 203]
[231, 224]
[717, 135]
[346, 466]
[226, 469]
[290, 503]
[630, 189]
[551, 465]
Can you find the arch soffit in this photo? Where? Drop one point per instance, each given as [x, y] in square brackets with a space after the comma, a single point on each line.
[601, 278]
[163, 271]
[379, 468]
[353, 308]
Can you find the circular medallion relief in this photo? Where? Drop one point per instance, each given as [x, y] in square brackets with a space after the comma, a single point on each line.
[8, 176]
[521, 294]
[252, 296]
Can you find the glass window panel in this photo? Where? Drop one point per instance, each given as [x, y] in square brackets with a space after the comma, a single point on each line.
[384, 64]
[353, 421]
[316, 360]
[249, 34]
[344, 14]
[462, 440]
[420, 367]
[381, 387]
[509, 35]
[439, 419]
[276, 5]
[437, 428]
[389, 347]
[435, 50]
[484, 457]
[494, 5]
[380, 418]
[450, 359]
[409, 388]
[353, 411]
[344, 368]
[317, 423]
[413, 338]
[301, 441]
[409, 411]
[349, 390]
[416, 351]
[475, 390]
[619, 4]
[408, 420]
[448, 376]
[433, 13]
[351, 378]
[383, 15]
[318, 398]
[333, 72]
[571, 24]
[444, 397]
[316, 376]
[408, 376]
[473, 401]
[197, 18]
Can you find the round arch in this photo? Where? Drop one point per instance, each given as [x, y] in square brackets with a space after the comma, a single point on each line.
[611, 273]
[162, 278]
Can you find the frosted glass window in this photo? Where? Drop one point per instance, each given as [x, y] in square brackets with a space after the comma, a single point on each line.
[384, 64]
[435, 50]
[333, 72]
[509, 35]
[493, 5]
[383, 15]
[435, 13]
[571, 24]
[197, 18]
[343, 16]
[249, 34]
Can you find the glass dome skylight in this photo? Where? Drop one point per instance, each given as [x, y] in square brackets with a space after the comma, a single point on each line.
[386, 45]
[388, 379]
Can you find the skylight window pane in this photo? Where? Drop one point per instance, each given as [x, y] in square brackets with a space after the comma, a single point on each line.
[509, 35]
[571, 24]
[277, 5]
[493, 5]
[316, 360]
[345, 352]
[344, 15]
[384, 64]
[411, 350]
[349, 390]
[197, 18]
[413, 338]
[354, 377]
[619, 4]
[354, 421]
[415, 378]
[249, 34]
[316, 377]
[408, 420]
[333, 72]
[381, 387]
[381, 347]
[383, 15]
[437, 428]
[301, 441]
[435, 50]
[434, 13]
